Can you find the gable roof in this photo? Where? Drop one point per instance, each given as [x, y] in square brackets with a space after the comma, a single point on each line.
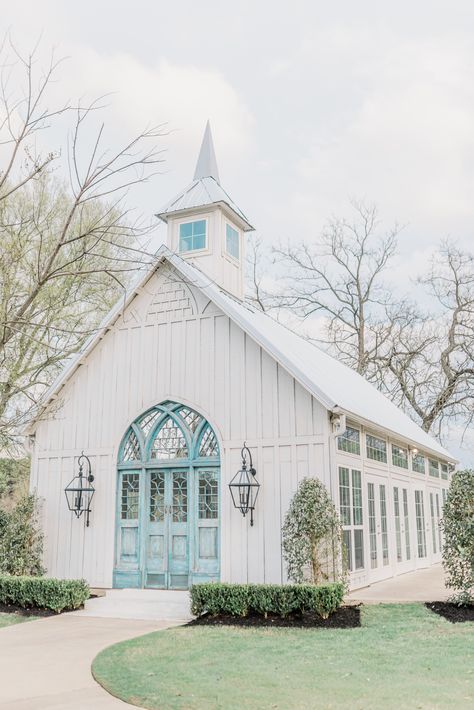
[331, 382]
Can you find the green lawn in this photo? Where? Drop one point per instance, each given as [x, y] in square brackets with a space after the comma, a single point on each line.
[8, 619]
[404, 656]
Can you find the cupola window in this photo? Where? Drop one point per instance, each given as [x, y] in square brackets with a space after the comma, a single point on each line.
[192, 235]
[232, 242]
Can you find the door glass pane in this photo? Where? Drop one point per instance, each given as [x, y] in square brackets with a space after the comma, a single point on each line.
[437, 522]
[169, 442]
[407, 523]
[372, 525]
[383, 524]
[357, 497]
[398, 532]
[420, 523]
[129, 496]
[180, 497]
[359, 549]
[157, 496]
[344, 496]
[347, 540]
[208, 495]
[433, 523]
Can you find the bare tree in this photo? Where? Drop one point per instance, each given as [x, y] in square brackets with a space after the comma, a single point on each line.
[68, 246]
[340, 277]
[431, 362]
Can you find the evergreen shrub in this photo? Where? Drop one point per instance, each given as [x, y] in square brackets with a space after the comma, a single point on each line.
[43, 592]
[458, 528]
[280, 599]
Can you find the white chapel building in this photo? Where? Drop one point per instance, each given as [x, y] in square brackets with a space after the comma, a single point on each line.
[161, 400]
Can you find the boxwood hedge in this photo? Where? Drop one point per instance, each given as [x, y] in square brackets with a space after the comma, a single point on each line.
[280, 599]
[43, 592]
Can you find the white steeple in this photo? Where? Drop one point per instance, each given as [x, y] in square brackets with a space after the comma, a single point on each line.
[206, 165]
[206, 227]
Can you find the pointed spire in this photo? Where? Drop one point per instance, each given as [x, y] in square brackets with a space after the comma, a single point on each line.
[206, 165]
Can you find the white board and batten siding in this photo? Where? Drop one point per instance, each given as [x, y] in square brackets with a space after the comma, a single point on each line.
[172, 343]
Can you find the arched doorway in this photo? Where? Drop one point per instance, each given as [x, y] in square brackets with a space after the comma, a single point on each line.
[167, 534]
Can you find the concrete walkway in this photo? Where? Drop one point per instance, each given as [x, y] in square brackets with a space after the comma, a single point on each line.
[46, 664]
[423, 585]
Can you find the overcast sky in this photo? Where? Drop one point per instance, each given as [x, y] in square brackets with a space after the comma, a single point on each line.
[311, 103]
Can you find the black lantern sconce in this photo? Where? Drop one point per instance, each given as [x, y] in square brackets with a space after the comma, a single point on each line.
[79, 491]
[244, 486]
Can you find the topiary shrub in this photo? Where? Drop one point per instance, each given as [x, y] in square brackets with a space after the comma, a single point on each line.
[458, 527]
[43, 592]
[279, 599]
[21, 539]
[312, 536]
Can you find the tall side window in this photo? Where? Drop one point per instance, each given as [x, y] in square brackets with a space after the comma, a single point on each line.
[192, 235]
[350, 506]
[349, 441]
[376, 448]
[232, 245]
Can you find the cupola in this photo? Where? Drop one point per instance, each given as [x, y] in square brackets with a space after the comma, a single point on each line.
[205, 226]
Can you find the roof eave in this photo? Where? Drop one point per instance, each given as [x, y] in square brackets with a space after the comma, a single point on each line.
[241, 221]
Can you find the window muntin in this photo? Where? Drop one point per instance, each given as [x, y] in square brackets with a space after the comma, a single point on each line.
[131, 448]
[376, 448]
[232, 244]
[344, 496]
[349, 441]
[157, 497]
[208, 495]
[169, 442]
[418, 463]
[407, 523]
[398, 529]
[444, 471]
[434, 533]
[433, 468]
[130, 496]
[383, 524]
[372, 525]
[420, 523]
[192, 235]
[399, 456]
[351, 512]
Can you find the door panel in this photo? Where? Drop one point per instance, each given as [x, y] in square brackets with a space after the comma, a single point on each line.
[128, 532]
[378, 529]
[207, 551]
[421, 530]
[156, 544]
[402, 546]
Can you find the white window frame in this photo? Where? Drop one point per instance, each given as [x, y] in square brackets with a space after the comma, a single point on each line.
[342, 438]
[373, 458]
[352, 527]
[419, 473]
[235, 259]
[395, 456]
[190, 221]
[433, 461]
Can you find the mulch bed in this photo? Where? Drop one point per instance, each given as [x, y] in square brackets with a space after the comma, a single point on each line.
[20, 611]
[347, 617]
[452, 612]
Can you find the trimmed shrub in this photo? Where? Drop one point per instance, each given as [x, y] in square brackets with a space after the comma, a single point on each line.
[280, 599]
[458, 527]
[312, 536]
[21, 539]
[43, 592]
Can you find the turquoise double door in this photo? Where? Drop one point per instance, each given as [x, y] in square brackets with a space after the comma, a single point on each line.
[168, 527]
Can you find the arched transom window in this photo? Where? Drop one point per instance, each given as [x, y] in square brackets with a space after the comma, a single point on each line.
[169, 432]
